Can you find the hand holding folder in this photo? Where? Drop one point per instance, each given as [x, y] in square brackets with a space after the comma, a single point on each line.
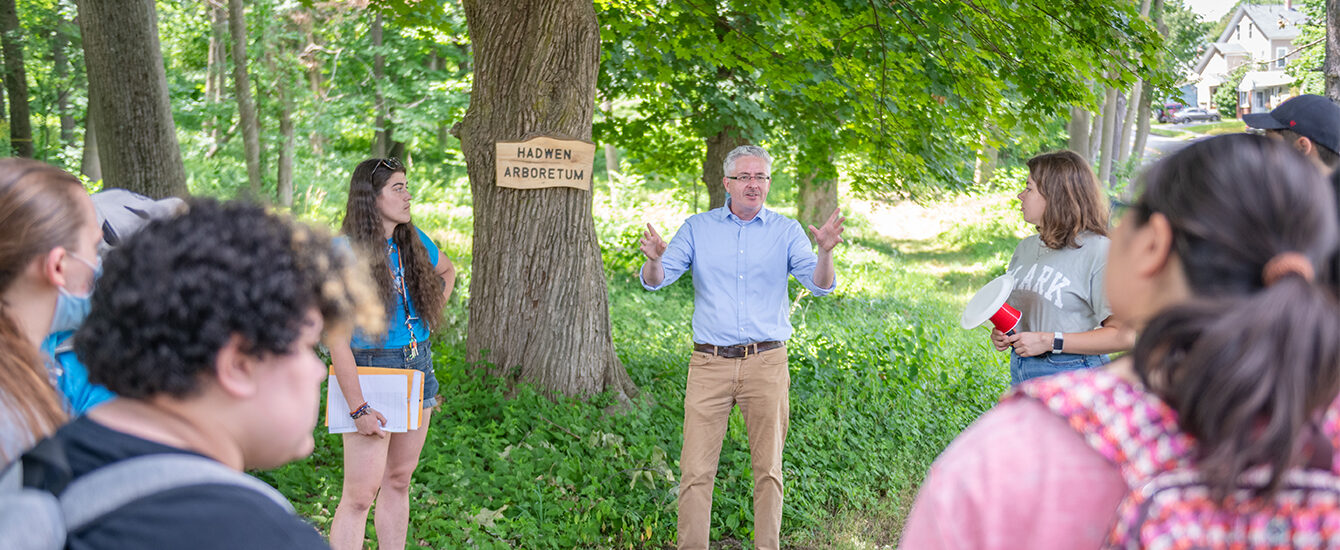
[396, 393]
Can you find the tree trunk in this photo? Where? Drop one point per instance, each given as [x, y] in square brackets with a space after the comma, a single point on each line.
[16, 80]
[1147, 96]
[1096, 133]
[1128, 126]
[1132, 111]
[538, 297]
[246, 106]
[718, 146]
[216, 72]
[381, 142]
[817, 194]
[1079, 132]
[1109, 133]
[311, 59]
[985, 166]
[1331, 66]
[3, 116]
[284, 179]
[127, 80]
[90, 165]
[60, 61]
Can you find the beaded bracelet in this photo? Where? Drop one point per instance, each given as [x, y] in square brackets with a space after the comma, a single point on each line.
[360, 411]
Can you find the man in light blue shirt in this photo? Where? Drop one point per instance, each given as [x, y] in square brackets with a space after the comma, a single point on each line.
[741, 255]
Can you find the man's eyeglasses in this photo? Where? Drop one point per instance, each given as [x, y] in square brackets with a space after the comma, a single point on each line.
[747, 178]
[392, 164]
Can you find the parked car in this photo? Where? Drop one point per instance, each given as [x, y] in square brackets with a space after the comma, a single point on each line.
[1192, 115]
[1167, 111]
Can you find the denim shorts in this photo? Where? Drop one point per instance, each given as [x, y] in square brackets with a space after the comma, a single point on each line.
[1024, 368]
[396, 358]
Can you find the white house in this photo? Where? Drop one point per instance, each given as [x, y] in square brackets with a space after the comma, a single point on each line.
[1260, 35]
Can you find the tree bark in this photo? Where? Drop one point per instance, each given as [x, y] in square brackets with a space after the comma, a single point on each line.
[1096, 132]
[60, 61]
[1079, 132]
[90, 165]
[284, 177]
[16, 80]
[1331, 66]
[1132, 111]
[246, 105]
[216, 72]
[1109, 132]
[1128, 126]
[1147, 95]
[381, 143]
[718, 146]
[127, 81]
[539, 304]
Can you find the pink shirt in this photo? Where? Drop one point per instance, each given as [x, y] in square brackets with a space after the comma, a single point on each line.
[1018, 477]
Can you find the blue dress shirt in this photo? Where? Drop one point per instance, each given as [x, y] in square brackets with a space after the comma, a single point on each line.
[739, 274]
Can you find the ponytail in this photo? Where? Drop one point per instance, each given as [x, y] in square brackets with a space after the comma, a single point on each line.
[25, 390]
[1246, 375]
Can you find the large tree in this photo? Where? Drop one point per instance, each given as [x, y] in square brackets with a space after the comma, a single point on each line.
[16, 80]
[246, 105]
[538, 297]
[137, 141]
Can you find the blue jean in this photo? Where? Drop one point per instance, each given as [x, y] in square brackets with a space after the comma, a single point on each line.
[1024, 368]
[397, 358]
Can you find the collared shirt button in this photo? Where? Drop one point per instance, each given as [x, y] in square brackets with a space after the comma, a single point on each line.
[742, 252]
[742, 276]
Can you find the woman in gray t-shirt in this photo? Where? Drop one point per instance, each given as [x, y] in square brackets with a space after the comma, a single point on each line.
[1058, 273]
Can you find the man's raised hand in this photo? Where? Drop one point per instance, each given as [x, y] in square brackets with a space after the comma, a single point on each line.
[830, 234]
[652, 244]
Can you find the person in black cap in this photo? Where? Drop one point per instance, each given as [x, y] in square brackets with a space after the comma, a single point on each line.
[1311, 123]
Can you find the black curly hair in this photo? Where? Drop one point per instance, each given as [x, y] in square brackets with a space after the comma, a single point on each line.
[174, 294]
[363, 225]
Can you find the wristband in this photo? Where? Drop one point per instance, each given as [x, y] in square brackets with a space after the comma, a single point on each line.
[1058, 342]
[360, 411]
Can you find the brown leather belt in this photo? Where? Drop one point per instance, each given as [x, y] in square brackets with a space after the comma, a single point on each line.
[742, 350]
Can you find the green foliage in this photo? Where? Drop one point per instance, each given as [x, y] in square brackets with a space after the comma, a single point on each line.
[1306, 69]
[902, 92]
[506, 468]
[1226, 96]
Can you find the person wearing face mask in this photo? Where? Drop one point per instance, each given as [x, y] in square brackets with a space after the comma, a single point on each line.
[48, 261]
[121, 213]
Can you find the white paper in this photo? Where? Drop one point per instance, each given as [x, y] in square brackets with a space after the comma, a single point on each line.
[390, 394]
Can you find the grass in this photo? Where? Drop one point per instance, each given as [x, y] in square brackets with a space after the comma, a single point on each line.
[1218, 128]
[1166, 132]
[882, 379]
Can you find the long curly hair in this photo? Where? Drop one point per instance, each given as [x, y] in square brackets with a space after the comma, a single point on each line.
[39, 211]
[363, 226]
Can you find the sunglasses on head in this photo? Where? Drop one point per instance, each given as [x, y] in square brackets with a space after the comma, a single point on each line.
[392, 164]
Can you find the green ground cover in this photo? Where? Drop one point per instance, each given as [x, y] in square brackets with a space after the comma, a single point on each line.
[1218, 128]
[882, 379]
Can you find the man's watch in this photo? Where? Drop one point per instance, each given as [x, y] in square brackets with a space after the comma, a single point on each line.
[1058, 342]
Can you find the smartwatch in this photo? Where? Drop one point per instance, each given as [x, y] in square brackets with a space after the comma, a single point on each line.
[1058, 342]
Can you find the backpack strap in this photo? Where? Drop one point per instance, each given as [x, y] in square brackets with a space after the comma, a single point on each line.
[1132, 428]
[110, 487]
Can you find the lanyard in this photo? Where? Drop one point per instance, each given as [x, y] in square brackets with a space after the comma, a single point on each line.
[398, 279]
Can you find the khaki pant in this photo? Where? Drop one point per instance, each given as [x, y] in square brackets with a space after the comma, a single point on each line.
[759, 384]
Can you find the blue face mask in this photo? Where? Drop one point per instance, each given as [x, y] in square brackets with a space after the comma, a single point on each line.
[71, 308]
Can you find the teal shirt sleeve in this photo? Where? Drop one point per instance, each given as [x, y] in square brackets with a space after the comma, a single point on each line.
[72, 379]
